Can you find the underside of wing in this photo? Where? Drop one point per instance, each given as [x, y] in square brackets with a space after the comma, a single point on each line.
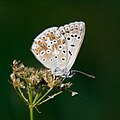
[50, 49]
[57, 48]
[74, 34]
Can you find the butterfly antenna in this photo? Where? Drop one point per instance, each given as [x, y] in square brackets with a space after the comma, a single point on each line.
[76, 71]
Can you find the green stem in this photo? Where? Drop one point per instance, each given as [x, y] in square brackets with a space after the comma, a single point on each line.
[29, 95]
[22, 95]
[36, 98]
[50, 98]
[42, 97]
[31, 107]
[31, 112]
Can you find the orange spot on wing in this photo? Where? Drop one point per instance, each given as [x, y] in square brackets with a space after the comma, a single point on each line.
[63, 41]
[48, 34]
[40, 43]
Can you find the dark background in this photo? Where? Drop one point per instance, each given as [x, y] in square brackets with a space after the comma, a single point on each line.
[99, 99]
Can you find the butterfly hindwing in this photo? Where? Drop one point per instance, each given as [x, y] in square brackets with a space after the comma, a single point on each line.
[74, 34]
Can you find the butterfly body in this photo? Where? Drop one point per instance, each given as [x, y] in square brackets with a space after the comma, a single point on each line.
[57, 47]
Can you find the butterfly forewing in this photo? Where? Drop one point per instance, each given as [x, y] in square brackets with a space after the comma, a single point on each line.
[50, 49]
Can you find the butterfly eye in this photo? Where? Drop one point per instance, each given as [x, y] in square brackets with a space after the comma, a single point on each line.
[44, 38]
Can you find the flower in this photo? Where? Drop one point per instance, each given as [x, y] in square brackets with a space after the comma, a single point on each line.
[36, 84]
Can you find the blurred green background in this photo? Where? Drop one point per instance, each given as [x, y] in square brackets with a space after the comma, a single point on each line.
[99, 99]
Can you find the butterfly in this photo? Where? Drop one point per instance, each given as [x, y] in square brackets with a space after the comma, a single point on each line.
[57, 47]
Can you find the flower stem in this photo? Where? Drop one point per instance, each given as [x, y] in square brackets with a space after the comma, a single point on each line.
[42, 97]
[22, 95]
[30, 95]
[50, 98]
[31, 113]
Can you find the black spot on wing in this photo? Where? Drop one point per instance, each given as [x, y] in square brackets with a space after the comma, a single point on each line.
[70, 53]
[72, 45]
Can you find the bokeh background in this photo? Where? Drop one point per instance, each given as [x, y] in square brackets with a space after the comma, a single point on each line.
[98, 99]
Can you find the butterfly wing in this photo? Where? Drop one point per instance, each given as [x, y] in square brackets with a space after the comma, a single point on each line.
[57, 48]
[74, 34]
[50, 49]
